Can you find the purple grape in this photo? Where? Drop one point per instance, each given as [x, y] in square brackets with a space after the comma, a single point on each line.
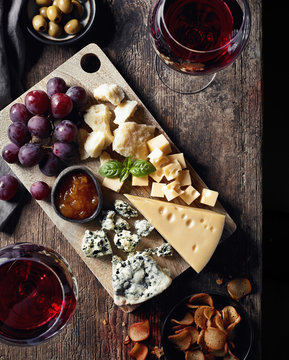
[37, 102]
[18, 133]
[40, 126]
[60, 105]
[78, 95]
[8, 187]
[64, 150]
[56, 85]
[19, 113]
[30, 154]
[10, 153]
[39, 190]
[65, 131]
[50, 165]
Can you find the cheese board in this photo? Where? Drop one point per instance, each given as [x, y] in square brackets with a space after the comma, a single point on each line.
[90, 68]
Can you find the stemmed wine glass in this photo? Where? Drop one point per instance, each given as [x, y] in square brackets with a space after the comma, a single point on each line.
[196, 37]
[38, 293]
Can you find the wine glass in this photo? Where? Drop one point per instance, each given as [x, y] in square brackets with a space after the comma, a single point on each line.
[38, 294]
[196, 37]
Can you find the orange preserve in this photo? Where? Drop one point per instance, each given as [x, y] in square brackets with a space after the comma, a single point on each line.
[77, 197]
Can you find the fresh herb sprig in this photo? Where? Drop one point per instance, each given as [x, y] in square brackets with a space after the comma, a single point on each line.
[122, 170]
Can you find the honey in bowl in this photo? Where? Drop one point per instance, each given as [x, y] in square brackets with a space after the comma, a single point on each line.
[77, 196]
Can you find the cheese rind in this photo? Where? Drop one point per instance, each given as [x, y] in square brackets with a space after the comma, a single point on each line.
[194, 233]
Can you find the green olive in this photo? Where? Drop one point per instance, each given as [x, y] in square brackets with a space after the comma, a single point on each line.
[72, 27]
[65, 6]
[54, 14]
[77, 9]
[55, 3]
[43, 11]
[54, 29]
[39, 23]
[43, 2]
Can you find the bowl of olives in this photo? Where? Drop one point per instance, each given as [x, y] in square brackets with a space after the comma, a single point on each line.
[60, 22]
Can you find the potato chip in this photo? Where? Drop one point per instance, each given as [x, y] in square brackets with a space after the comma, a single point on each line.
[139, 351]
[201, 299]
[194, 355]
[237, 288]
[182, 340]
[193, 331]
[230, 356]
[200, 317]
[214, 338]
[188, 319]
[222, 352]
[230, 316]
[216, 321]
[139, 331]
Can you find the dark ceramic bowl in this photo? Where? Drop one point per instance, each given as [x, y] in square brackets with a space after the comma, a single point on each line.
[243, 333]
[57, 183]
[86, 21]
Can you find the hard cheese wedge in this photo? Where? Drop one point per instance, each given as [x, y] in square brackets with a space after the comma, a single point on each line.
[194, 233]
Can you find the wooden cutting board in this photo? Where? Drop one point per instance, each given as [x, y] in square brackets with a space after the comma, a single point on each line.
[74, 74]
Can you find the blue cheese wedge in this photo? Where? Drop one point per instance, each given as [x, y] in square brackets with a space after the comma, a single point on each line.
[126, 241]
[137, 279]
[107, 220]
[125, 209]
[163, 250]
[143, 227]
[96, 244]
[121, 224]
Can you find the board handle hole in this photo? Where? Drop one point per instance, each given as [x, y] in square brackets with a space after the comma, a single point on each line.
[90, 63]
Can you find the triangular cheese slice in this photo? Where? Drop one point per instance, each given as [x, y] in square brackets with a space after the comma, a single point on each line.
[194, 233]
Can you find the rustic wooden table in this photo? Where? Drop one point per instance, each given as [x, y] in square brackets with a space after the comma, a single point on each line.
[219, 130]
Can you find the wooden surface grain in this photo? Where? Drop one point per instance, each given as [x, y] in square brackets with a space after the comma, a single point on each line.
[219, 130]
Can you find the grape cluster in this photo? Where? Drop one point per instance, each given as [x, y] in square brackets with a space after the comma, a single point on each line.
[45, 115]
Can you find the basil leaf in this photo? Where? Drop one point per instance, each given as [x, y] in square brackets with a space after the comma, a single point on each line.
[111, 169]
[124, 174]
[141, 168]
[127, 163]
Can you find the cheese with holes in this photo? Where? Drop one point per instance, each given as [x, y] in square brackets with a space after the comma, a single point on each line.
[157, 158]
[124, 111]
[172, 170]
[180, 157]
[130, 139]
[194, 233]
[159, 142]
[190, 195]
[172, 190]
[157, 175]
[209, 197]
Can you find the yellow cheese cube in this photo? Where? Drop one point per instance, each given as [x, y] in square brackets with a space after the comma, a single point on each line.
[172, 170]
[140, 181]
[157, 175]
[157, 189]
[184, 178]
[209, 197]
[179, 157]
[94, 143]
[157, 158]
[172, 190]
[104, 157]
[189, 195]
[114, 184]
[159, 142]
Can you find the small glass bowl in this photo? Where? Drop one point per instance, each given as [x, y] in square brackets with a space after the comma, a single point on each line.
[243, 337]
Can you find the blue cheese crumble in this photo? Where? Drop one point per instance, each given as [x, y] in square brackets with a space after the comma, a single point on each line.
[143, 227]
[107, 219]
[124, 209]
[126, 241]
[96, 244]
[120, 224]
[137, 279]
[163, 250]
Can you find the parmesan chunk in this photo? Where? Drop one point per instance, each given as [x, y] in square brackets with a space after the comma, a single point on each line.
[109, 92]
[130, 139]
[82, 136]
[124, 111]
[94, 143]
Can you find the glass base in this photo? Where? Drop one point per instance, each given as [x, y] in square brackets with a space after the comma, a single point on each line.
[181, 83]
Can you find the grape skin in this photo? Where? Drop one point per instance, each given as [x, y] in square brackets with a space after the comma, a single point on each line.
[8, 187]
[19, 113]
[18, 133]
[78, 95]
[37, 102]
[50, 165]
[65, 131]
[10, 153]
[56, 85]
[64, 150]
[30, 154]
[60, 105]
[39, 190]
[40, 126]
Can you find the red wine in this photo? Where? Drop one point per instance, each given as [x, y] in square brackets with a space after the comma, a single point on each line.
[197, 35]
[32, 299]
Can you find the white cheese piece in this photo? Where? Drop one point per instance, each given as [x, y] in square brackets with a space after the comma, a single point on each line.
[159, 142]
[194, 233]
[157, 158]
[109, 92]
[96, 243]
[189, 195]
[113, 184]
[143, 227]
[172, 170]
[82, 136]
[124, 111]
[172, 190]
[140, 181]
[94, 143]
[209, 197]
[137, 279]
[157, 189]
[126, 241]
[107, 219]
[184, 178]
[125, 209]
[97, 117]
[179, 157]
[157, 175]
[130, 139]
